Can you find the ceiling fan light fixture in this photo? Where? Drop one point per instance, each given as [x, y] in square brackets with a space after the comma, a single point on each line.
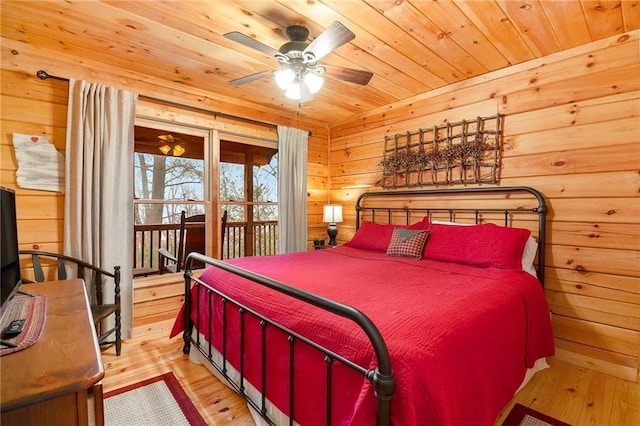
[284, 78]
[293, 92]
[171, 146]
[165, 149]
[178, 150]
[313, 81]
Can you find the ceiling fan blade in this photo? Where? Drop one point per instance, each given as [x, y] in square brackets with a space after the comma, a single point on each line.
[349, 74]
[333, 37]
[250, 42]
[249, 78]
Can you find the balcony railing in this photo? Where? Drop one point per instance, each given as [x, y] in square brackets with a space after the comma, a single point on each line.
[260, 240]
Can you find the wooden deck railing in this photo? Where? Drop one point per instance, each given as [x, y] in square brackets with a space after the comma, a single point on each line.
[238, 242]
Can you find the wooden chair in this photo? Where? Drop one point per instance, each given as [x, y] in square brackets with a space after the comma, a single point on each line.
[191, 238]
[94, 277]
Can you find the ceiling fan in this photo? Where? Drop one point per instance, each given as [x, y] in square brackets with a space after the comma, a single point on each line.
[171, 145]
[299, 74]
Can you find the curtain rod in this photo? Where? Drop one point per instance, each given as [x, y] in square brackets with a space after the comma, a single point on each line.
[43, 75]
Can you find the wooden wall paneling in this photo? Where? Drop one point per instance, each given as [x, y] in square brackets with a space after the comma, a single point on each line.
[595, 284]
[316, 169]
[38, 231]
[610, 312]
[53, 133]
[32, 111]
[569, 161]
[147, 291]
[148, 312]
[613, 339]
[575, 114]
[18, 84]
[608, 261]
[46, 205]
[630, 15]
[611, 184]
[621, 236]
[158, 111]
[612, 363]
[417, 119]
[585, 87]
[8, 160]
[587, 209]
[30, 107]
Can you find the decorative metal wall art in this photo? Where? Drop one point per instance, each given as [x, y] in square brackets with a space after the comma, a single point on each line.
[451, 153]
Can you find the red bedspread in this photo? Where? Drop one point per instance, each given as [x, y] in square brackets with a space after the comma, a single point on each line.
[460, 337]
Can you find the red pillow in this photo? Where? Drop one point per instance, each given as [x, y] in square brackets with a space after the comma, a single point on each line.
[483, 245]
[376, 236]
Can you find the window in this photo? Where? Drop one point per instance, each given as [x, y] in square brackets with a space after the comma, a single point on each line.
[173, 165]
[165, 185]
[252, 210]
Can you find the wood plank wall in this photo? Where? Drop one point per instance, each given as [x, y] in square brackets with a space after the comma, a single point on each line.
[572, 131]
[33, 108]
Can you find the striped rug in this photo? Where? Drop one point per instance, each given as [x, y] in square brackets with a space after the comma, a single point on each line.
[157, 401]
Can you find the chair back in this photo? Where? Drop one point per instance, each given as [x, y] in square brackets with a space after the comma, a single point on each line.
[92, 275]
[47, 266]
[223, 231]
[192, 238]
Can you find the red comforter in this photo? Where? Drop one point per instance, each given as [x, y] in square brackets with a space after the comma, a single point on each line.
[460, 337]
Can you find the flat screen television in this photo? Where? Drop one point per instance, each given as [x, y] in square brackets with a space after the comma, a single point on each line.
[9, 252]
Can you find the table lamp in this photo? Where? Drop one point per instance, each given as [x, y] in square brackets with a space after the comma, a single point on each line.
[332, 214]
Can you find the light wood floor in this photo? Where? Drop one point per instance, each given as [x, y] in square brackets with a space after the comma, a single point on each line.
[574, 395]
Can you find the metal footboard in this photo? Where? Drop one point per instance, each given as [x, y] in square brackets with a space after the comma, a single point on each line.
[381, 378]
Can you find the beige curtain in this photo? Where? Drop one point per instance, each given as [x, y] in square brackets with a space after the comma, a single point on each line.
[98, 211]
[292, 189]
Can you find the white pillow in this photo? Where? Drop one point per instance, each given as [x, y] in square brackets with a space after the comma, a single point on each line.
[528, 255]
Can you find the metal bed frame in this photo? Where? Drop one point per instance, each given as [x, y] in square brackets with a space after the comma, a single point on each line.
[381, 377]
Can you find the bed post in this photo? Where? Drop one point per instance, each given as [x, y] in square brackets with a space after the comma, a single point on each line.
[188, 326]
[542, 231]
[384, 385]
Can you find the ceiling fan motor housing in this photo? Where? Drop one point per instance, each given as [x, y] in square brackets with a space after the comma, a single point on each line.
[297, 35]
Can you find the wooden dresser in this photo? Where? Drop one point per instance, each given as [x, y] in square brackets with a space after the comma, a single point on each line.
[57, 381]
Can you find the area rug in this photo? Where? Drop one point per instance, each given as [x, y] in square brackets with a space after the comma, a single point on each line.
[525, 416]
[157, 401]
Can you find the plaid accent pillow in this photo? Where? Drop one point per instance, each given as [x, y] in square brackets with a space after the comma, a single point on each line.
[407, 243]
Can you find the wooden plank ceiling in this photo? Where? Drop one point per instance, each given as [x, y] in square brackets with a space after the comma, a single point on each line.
[411, 46]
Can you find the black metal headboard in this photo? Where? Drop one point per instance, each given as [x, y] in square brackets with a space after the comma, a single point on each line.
[499, 205]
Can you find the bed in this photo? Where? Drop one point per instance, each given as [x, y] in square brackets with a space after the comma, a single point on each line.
[432, 313]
